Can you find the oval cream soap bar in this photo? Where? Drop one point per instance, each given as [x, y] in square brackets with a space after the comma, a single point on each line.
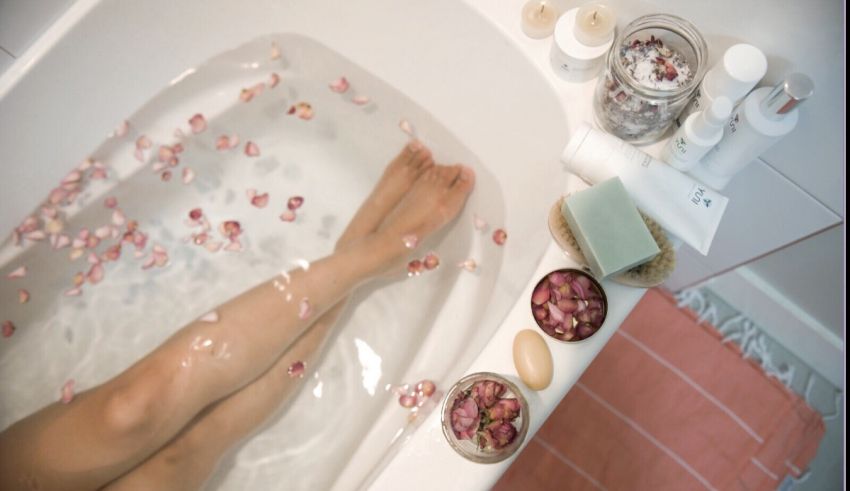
[532, 359]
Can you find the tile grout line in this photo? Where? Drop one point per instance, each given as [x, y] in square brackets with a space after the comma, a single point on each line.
[563, 458]
[4, 50]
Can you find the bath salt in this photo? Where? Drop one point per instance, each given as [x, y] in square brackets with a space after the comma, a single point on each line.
[654, 65]
[650, 65]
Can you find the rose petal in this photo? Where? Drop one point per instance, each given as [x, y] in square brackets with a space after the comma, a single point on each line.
[407, 401]
[305, 310]
[8, 329]
[479, 223]
[406, 127]
[110, 202]
[211, 316]
[287, 216]
[294, 202]
[469, 265]
[339, 85]
[251, 149]
[196, 213]
[166, 176]
[431, 261]
[62, 241]
[302, 109]
[414, 268]
[275, 52]
[122, 129]
[260, 200]
[360, 100]
[500, 236]
[245, 95]
[36, 235]
[274, 79]
[410, 241]
[198, 123]
[19, 272]
[426, 388]
[95, 274]
[67, 392]
[143, 143]
[73, 292]
[188, 175]
[296, 370]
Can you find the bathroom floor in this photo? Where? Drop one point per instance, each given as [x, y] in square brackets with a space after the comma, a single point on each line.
[545, 464]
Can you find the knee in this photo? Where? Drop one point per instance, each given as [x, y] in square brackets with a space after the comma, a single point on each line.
[130, 411]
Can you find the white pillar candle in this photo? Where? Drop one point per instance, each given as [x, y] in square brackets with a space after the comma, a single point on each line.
[538, 19]
[595, 24]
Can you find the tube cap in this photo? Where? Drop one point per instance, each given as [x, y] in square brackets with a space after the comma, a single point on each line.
[787, 95]
[740, 69]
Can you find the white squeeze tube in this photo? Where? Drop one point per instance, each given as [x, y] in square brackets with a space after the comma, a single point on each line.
[682, 206]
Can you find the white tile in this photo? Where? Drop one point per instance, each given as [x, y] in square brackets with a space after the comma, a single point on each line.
[23, 21]
[5, 61]
[811, 274]
[765, 212]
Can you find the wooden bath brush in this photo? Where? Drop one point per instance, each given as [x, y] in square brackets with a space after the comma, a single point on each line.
[646, 275]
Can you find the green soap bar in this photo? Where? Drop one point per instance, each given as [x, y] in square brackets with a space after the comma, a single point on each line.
[609, 229]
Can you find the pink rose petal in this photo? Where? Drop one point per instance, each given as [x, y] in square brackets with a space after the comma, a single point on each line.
[410, 241]
[406, 127]
[211, 316]
[500, 236]
[305, 310]
[251, 149]
[118, 218]
[296, 370]
[431, 261]
[95, 274]
[275, 52]
[67, 392]
[469, 265]
[294, 202]
[288, 216]
[196, 214]
[274, 79]
[8, 329]
[339, 85]
[361, 100]
[407, 401]
[165, 176]
[36, 235]
[260, 200]
[62, 241]
[188, 175]
[415, 268]
[245, 95]
[19, 272]
[198, 123]
[143, 143]
[122, 129]
[302, 109]
[426, 388]
[110, 202]
[479, 223]
[73, 292]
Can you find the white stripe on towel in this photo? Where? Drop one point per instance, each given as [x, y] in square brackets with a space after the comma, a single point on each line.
[563, 458]
[646, 349]
[764, 468]
[670, 453]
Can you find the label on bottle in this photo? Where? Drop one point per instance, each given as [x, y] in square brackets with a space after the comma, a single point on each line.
[697, 102]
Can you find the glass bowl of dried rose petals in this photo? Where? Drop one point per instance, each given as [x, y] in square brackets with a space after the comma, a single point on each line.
[569, 305]
[485, 417]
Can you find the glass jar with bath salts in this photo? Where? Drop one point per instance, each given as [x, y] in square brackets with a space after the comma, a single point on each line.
[652, 70]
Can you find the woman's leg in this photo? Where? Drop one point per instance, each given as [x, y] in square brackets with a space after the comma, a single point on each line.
[187, 461]
[109, 430]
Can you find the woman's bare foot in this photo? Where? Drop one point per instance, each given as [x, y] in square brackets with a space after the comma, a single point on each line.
[411, 163]
[433, 201]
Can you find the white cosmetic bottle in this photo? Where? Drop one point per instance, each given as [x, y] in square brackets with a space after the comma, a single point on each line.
[740, 69]
[700, 133]
[762, 119]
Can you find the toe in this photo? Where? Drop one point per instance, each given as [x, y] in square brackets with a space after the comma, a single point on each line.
[420, 157]
[464, 181]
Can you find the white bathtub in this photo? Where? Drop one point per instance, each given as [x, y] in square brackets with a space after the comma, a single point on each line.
[488, 100]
